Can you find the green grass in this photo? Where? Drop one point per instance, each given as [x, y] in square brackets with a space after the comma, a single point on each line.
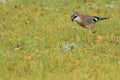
[33, 32]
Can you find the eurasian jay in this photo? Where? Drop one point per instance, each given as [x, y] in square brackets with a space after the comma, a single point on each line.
[86, 21]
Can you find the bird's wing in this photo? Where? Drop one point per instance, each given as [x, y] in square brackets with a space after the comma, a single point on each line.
[94, 19]
[91, 19]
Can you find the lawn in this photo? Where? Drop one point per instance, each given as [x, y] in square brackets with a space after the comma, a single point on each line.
[38, 41]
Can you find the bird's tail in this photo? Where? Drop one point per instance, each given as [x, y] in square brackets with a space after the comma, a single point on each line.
[96, 19]
[104, 18]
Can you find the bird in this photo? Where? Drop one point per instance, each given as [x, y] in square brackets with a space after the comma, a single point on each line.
[85, 20]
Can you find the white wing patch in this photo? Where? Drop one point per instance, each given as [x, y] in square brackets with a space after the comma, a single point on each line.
[96, 19]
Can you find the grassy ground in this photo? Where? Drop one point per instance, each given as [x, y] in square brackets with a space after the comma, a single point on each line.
[35, 37]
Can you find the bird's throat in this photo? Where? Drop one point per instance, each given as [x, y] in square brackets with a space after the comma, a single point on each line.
[77, 19]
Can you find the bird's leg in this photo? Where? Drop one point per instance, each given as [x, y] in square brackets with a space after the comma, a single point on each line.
[92, 26]
[89, 30]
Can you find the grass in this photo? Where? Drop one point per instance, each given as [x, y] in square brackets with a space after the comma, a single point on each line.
[33, 32]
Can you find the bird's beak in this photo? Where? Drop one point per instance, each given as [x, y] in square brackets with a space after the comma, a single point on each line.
[72, 19]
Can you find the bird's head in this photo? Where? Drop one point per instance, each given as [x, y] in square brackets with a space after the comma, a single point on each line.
[75, 17]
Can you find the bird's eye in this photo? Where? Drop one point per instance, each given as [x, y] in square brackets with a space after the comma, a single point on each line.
[75, 16]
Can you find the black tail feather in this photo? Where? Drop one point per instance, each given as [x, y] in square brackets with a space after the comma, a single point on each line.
[104, 18]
